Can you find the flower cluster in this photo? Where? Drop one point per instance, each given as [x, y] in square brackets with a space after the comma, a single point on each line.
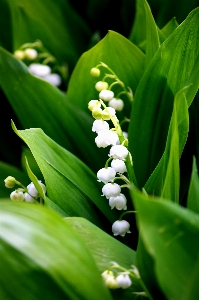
[114, 138]
[29, 193]
[117, 276]
[41, 63]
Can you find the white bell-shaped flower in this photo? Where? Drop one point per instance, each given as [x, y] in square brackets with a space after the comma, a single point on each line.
[28, 198]
[111, 190]
[53, 78]
[124, 281]
[39, 70]
[109, 279]
[93, 103]
[118, 165]
[106, 95]
[106, 175]
[120, 228]
[119, 202]
[118, 152]
[105, 138]
[99, 125]
[117, 104]
[101, 85]
[17, 196]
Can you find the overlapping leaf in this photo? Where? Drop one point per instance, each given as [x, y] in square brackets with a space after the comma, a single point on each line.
[167, 228]
[44, 257]
[174, 66]
[70, 183]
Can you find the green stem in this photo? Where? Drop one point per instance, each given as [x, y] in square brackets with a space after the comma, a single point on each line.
[127, 212]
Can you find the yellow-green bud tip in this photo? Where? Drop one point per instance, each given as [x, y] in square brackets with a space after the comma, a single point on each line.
[95, 72]
[19, 54]
[10, 182]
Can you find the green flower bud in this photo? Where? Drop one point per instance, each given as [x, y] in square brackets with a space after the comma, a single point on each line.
[97, 113]
[10, 182]
[95, 72]
[19, 54]
[101, 85]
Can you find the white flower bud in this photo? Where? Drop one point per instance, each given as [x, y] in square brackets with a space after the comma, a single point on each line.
[10, 182]
[99, 125]
[93, 103]
[19, 54]
[118, 104]
[111, 190]
[32, 189]
[101, 85]
[39, 70]
[106, 95]
[105, 138]
[108, 112]
[17, 196]
[118, 165]
[106, 175]
[54, 79]
[28, 198]
[30, 54]
[95, 72]
[118, 151]
[120, 227]
[119, 202]
[124, 281]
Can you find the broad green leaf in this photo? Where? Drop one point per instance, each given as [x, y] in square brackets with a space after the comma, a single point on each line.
[174, 66]
[171, 183]
[138, 30]
[165, 178]
[105, 250]
[44, 257]
[192, 288]
[70, 183]
[193, 194]
[145, 264]
[144, 18]
[57, 25]
[122, 56]
[170, 234]
[9, 170]
[39, 104]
